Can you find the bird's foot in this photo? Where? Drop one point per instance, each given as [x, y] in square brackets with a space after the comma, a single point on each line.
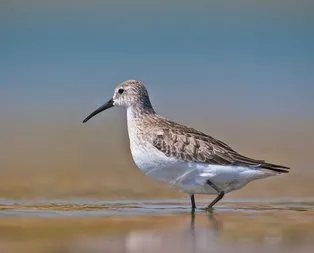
[209, 209]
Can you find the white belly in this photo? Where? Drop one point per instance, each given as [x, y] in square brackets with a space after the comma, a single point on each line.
[191, 177]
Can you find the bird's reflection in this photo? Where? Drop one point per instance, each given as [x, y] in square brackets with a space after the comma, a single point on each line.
[190, 232]
[201, 235]
[192, 219]
[212, 219]
[216, 226]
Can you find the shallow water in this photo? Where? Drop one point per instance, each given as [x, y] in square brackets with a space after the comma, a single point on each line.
[85, 225]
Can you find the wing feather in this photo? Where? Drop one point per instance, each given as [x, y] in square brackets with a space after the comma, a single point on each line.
[189, 144]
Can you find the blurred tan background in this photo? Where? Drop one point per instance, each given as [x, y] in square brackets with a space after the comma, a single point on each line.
[54, 160]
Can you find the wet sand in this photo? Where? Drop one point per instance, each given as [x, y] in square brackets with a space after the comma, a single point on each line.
[86, 225]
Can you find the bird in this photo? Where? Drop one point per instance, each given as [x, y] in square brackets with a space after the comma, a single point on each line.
[181, 156]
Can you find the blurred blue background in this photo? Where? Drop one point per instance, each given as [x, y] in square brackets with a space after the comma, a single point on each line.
[63, 57]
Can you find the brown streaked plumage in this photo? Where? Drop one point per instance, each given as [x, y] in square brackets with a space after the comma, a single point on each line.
[189, 144]
[181, 156]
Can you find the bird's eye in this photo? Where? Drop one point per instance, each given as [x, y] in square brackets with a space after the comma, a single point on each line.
[121, 91]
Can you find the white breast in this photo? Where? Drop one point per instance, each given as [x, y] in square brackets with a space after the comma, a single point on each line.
[148, 159]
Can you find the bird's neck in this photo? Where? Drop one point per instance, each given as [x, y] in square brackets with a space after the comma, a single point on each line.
[139, 112]
[137, 119]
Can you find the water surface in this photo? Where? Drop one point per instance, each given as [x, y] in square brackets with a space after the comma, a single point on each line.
[168, 225]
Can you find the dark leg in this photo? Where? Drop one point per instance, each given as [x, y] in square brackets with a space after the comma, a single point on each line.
[192, 201]
[219, 197]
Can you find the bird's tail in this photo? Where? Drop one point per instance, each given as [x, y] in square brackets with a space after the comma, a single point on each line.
[274, 167]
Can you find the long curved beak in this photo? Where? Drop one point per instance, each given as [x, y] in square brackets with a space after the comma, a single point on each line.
[100, 109]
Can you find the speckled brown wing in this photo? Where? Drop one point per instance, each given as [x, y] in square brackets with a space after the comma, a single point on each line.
[191, 145]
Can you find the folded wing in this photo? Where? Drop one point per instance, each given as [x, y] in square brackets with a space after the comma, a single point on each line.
[191, 145]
